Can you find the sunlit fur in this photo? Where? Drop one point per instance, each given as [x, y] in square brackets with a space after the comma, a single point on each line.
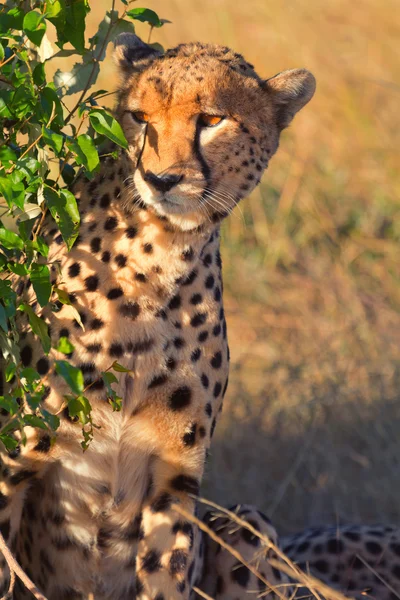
[220, 164]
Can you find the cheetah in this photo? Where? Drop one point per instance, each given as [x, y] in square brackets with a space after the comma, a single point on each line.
[360, 561]
[144, 280]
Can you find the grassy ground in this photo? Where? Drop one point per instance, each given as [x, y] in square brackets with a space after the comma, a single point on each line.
[310, 427]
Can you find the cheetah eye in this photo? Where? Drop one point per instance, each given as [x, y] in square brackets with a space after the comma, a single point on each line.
[140, 117]
[209, 120]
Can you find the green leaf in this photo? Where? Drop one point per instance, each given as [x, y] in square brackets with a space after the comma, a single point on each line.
[14, 193]
[31, 375]
[34, 421]
[18, 269]
[41, 246]
[3, 319]
[34, 26]
[105, 124]
[7, 157]
[109, 378]
[116, 403]
[6, 291]
[62, 296]
[11, 19]
[54, 8]
[39, 327]
[40, 277]
[65, 212]
[51, 106]
[10, 371]
[80, 407]
[146, 16]
[86, 152]
[65, 346]
[74, 32]
[9, 442]
[10, 240]
[117, 367]
[5, 102]
[28, 166]
[72, 375]
[1, 53]
[10, 404]
[52, 420]
[8, 347]
[23, 101]
[53, 139]
[67, 173]
[39, 75]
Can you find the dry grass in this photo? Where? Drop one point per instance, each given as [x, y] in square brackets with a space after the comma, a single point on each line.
[312, 272]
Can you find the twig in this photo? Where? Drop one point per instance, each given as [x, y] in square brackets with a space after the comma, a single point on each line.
[201, 593]
[16, 569]
[8, 60]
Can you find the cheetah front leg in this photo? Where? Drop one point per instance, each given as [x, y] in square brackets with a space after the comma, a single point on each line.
[227, 578]
[18, 469]
[168, 546]
[167, 565]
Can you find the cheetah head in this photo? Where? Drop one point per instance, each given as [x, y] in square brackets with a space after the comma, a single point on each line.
[201, 126]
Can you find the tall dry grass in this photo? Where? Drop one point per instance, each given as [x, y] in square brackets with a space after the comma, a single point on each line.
[310, 428]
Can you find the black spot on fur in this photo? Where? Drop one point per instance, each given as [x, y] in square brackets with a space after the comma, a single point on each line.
[198, 319]
[216, 360]
[116, 350]
[175, 302]
[95, 244]
[110, 224]
[185, 483]
[42, 366]
[194, 357]
[130, 309]
[74, 269]
[115, 293]
[91, 283]
[162, 503]
[178, 562]
[151, 562]
[180, 398]
[158, 380]
[241, 575]
[131, 232]
[105, 201]
[26, 355]
[43, 444]
[189, 439]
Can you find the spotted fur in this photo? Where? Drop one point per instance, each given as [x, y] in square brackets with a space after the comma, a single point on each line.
[360, 561]
[144, 277]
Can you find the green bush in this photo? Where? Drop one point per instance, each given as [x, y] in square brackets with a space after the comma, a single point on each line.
[43, 148]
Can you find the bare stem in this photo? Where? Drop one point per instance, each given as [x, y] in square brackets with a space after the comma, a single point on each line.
[16, 569]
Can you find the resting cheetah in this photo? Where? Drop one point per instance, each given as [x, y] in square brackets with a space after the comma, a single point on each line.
[145, 277]
[361, 561]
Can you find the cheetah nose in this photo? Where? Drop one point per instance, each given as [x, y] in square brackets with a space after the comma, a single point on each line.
[162, 183]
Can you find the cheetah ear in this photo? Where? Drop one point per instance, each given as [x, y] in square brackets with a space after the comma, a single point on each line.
[129, 50]
[290, 91]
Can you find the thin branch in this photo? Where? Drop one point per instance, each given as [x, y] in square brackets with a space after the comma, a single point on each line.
[16, 569]
[8, 60]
